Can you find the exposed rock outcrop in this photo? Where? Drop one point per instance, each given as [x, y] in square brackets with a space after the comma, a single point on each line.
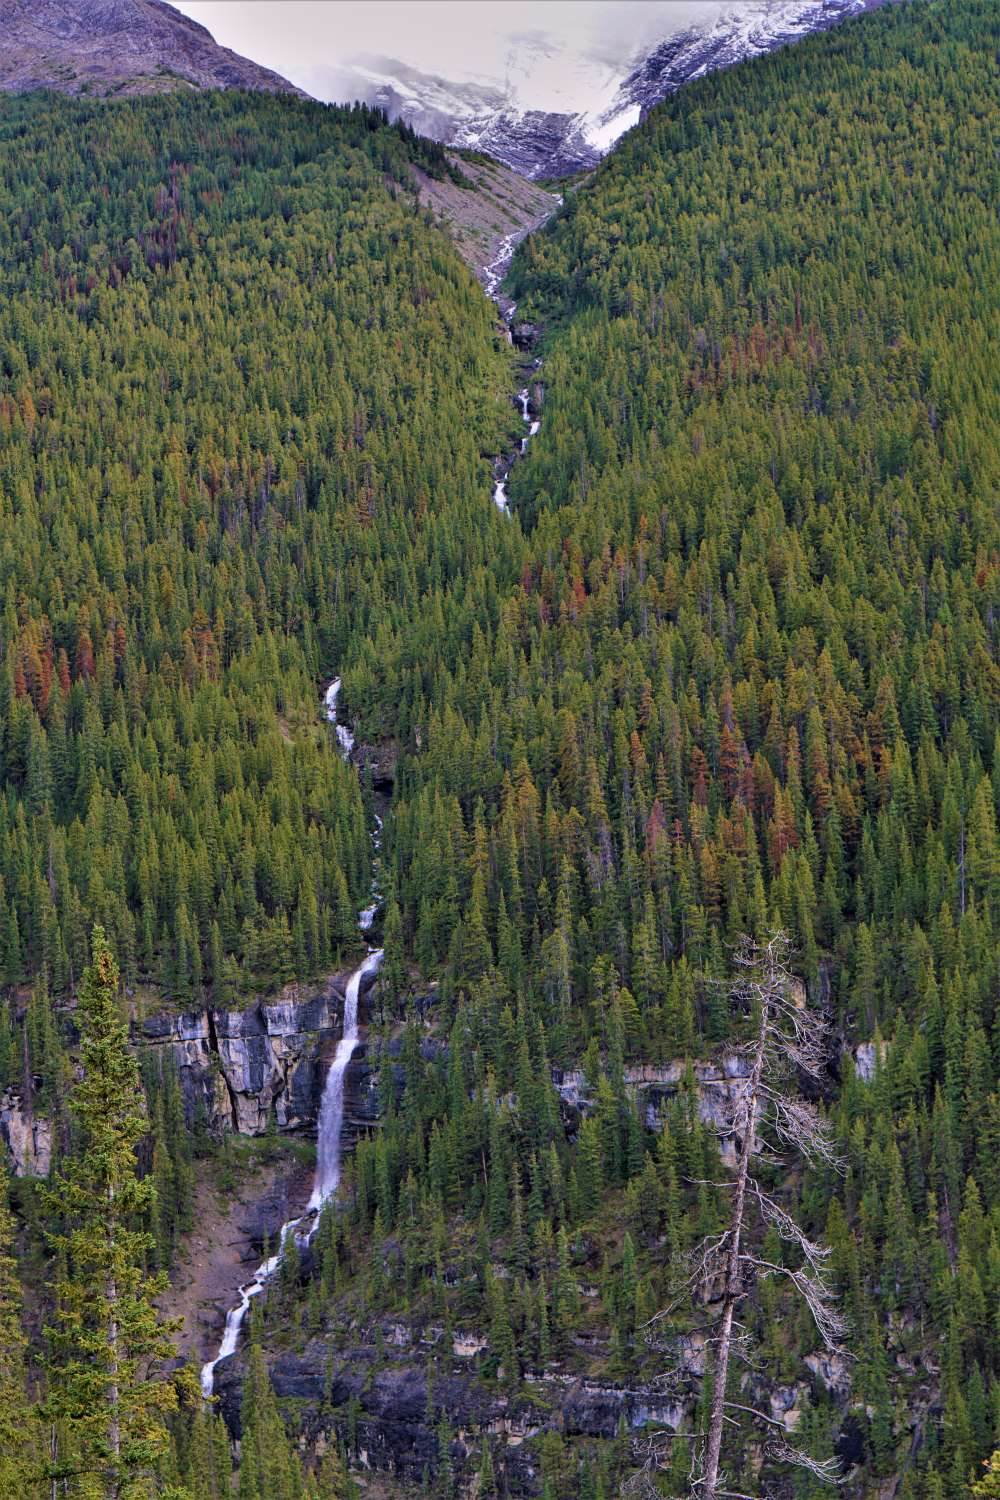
[235, 1066]
[397, 1402]
[865, 1056]
[487, 217]
[27, 1137]
[101, 47]
[716, 1085]
[379, 761]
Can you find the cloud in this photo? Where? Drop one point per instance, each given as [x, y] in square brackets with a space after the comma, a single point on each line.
[557, 50]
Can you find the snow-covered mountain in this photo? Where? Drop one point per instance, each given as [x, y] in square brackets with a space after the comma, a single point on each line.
[547, 110]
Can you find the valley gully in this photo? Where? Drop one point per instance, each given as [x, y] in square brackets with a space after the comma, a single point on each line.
[331, 1116]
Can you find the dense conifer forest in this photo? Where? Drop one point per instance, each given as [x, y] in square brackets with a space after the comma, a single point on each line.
[729, 667]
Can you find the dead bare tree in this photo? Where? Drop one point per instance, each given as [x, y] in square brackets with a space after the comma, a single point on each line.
[767, 1119]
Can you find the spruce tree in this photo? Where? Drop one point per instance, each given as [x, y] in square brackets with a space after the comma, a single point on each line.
[106, 1393]
[18, 1422]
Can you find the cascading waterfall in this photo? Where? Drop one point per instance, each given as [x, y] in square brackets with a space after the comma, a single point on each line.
[493, 275]
[500, 489]
[331, 1114]
[495, 272]
[345, 738]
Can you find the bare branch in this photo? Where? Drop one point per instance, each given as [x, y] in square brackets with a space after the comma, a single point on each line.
[790, 1039]
[707, 1266]
[800, 1125]
[753, 1412]
[827, 1469]
[817, 1255]
[818, 1297]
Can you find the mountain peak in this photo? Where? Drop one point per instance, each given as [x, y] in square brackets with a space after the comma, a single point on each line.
[552, 106]
[103, 47]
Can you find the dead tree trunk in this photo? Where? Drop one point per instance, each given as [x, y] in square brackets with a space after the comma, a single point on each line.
[788, 1040]
[734, 1276]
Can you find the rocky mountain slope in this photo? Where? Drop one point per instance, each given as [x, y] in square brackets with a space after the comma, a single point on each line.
[496, 118]
[108, 47]
[487, 218]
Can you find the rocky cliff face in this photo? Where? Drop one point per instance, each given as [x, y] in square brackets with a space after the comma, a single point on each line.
[613, 96]
[399, 1378]
[106, 47]
[381, 1391]
[235, 1066]
[716, 1085]
[27, 1137]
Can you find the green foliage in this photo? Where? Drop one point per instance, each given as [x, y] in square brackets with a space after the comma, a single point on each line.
[105, 1394]
[269, 1470]
[732, 664]
[19, 1430]
[223, 354]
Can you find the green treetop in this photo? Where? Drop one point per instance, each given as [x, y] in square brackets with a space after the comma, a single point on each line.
[106, 1394]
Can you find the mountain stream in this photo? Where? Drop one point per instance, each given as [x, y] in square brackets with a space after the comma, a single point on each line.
[331, 1113]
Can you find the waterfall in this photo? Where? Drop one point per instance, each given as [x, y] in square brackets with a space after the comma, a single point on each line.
[325, 1181]
[235, 1316]
[500, 488]
[345, 738]
[495, 272]
[331, 1113]
[493, 275]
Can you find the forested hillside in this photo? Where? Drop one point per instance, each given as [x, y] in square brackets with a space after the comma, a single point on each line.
[228, 354]
[748, 678]
[730, 666]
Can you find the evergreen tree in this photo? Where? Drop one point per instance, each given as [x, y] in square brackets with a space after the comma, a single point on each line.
[105, 1393]
[19, 1434]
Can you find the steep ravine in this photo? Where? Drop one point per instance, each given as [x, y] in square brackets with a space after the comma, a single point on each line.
[301, 1226]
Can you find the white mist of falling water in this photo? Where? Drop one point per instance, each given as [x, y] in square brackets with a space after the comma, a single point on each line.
[345, 738]
[495, 272]
[325, 1182]
[500, 488]
[331, 1114]
[331, 1117]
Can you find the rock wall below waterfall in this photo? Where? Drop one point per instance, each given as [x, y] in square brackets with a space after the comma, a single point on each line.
[26, 1136]
[383, 1394]
[386, 1390]
[237, 1066]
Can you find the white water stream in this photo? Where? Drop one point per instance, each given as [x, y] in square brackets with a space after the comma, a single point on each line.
[331, 1113]
[495, 272]
[500, 489]
[493, 275]
[345, 738]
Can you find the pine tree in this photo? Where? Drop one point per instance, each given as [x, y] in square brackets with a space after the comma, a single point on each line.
[105, 1393]
[269, 1470]
[19, 1435]
[209, 1475]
